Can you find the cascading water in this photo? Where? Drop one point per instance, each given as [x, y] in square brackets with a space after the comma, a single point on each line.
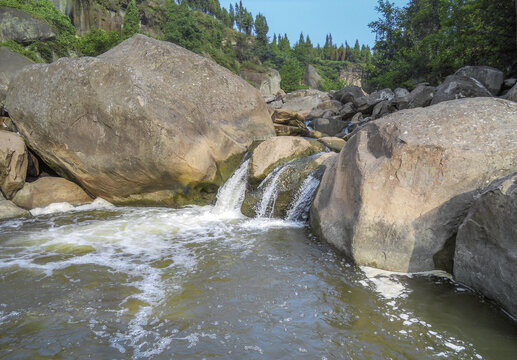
[201, 282]
[231, 194]
[299, 208]
[269, 184]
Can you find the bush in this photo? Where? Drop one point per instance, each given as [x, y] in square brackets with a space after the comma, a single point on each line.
[17, 48]
[98, 41]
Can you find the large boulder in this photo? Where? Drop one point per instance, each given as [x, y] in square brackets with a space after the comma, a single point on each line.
[421, 96]
[13, 162]
[311, 78]
[267, 82]
[512, 94]
[277, 151]
[10, 211]
[48, 190]
[303, 101]
[458, 87]
[329, 126]
[486, 246]
[403, 184]
[352, 94]
[22, 28]
[491, 78]
[146, 122]
[10, 64]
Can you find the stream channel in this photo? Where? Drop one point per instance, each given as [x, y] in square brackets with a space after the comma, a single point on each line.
[106, 282]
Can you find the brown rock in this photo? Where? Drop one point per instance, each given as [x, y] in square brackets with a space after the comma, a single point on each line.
[48, 190]
[333, 143]
[404, 183]
[13, 163]
[10, 211]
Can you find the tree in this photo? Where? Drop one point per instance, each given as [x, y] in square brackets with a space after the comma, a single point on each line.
[291, 73]
[130, 23]
[261, 29]
[181, 29]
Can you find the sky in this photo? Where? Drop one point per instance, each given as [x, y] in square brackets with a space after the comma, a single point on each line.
[344, 19]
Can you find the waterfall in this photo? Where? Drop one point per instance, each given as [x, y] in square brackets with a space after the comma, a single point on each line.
[267, 203]
[302, 201]
[231, 195]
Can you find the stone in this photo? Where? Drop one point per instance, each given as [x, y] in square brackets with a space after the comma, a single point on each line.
[277, 151]
[316, 134]
[485, 256]
[333, 105]
[357, 118]
[347, 111]
[13, 163]
[33, 168]
[7, 124]
[458, 87]
[421, 96]
[399, 191]
[512, 94]
[401, 98]
[351, 94]
[329, 126]
[287, 130]
[381, 109]
[281, 116]
[48, 190]
[22, 28]
[10, 64]
[10, 211]
[491, 78]
[333, 143]
[288, 184]
[268, 83]
[147, 122]
[311, 78]
[375, 98]
[509, 83]
[303, 101]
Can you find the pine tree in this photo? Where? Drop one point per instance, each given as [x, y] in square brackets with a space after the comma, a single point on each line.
[130, 23]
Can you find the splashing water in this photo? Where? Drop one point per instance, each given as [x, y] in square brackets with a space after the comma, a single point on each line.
[266, 205]
[299, 208]
[231, 195]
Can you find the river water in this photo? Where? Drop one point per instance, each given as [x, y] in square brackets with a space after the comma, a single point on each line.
[105, 282]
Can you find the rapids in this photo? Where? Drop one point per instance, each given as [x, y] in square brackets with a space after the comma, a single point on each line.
[109, 282]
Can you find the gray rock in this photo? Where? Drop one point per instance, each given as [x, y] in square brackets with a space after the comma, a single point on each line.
[347, 111]
[147, 122]
[311, 77]
[333, 143]
[268, 82]
[381, 109]
[509, 83]
[421, 96]
[22, 28]
[512, 94]
[491, 78]
[399, 191]
[486, 245]
[458, 87]
[351, 94]
[10, 64]
[375, 98]
[401, 98]
[329, 126]
[357, 118]
[303, 101]
[333, 105]
[10, 211]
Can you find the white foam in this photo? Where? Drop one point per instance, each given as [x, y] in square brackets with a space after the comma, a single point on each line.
[53, 208]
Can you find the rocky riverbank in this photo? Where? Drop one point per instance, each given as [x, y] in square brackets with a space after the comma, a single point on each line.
[423, 179]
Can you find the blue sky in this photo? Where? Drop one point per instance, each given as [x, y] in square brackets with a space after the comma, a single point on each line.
[344, 19]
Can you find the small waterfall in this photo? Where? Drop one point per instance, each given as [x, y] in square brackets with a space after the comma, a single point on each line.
[299, 208]
[231, 195]
[267, 204]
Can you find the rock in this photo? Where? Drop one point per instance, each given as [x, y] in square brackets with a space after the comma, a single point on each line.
[287, 184]
[10, 211]
[329, 126]
[357, 118]
[347, 111]
[303, 101]
[512, 94]
[351, 94]
[421, 96]
[401, 98]
[22, 28]
[491, 78]
[311, 78]
[147, 122]
[7, 124]
[381, 109]
[277, 151]
[333, 143]
[352, 75]
[287, 130]
[276, 104]
[48, 190]
[13, 163]
[284, 117]
[399, 191]
[10, 64]
[375, 98]
[485, 258]
[509, 83]
[269, 98]
[458, 87]
[33, 168]
[333, 105]
[316, 134]
[268, 82]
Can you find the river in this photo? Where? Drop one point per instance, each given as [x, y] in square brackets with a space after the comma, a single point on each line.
[105, 282]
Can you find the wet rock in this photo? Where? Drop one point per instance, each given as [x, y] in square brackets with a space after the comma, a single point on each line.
[491, 78]
[458, 87]
[48, 190]
[22, 28]
[333, 143]
[13, 163]
[147, 122]
[399, 191]
[276, 151]
[10, 211]
[486, 245]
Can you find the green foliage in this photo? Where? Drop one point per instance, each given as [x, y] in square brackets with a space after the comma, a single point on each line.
[131, 22]
[430, 39]
[98, 41]
[17, 48]
[180, 28]
[292, 74]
